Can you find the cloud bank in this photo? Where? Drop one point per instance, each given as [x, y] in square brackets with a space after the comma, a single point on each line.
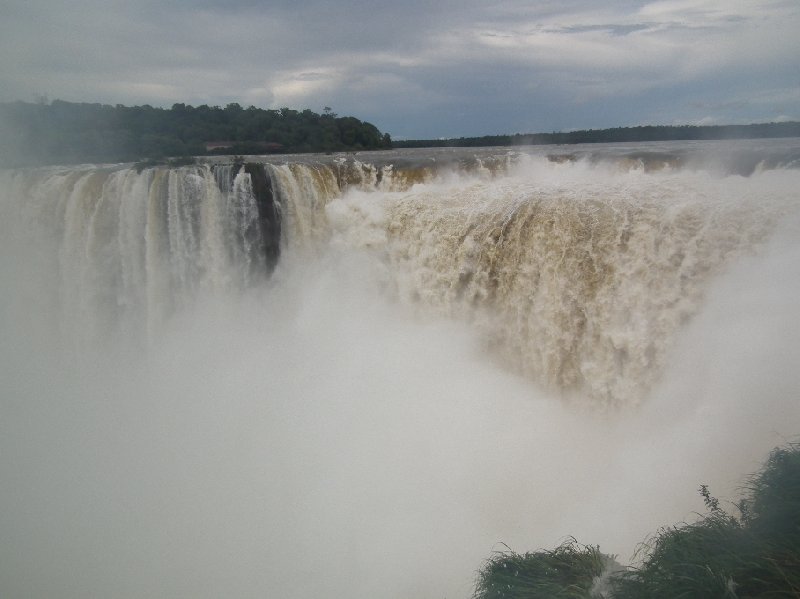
[419, 70]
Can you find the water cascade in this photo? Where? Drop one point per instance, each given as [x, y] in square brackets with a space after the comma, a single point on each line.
[354, 376]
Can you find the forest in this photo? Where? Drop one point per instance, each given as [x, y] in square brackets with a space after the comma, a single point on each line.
[617, 134]
[60, 132]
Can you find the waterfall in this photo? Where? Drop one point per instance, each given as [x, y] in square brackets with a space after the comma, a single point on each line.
[356, 376]
[128, 248]
[577, 275]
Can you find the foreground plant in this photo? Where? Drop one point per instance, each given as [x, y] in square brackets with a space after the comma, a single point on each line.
[568, 571]
[751, 553]
[754, 553]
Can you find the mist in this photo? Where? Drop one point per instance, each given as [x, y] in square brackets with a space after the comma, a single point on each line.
[313, 435]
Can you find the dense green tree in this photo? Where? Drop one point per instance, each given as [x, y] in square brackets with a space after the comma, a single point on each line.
[65, 132]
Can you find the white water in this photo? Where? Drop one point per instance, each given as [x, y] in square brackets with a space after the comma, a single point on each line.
[325, 434]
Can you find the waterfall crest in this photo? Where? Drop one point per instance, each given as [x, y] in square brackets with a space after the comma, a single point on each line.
[577, 272]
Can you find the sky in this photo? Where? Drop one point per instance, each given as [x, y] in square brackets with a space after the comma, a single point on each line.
[418, 69]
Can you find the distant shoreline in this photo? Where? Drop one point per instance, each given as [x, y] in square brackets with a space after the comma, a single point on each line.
[77, 133]
[616, 135]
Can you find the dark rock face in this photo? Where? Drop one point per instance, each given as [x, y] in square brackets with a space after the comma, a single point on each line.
[262, 236]
[269, 213]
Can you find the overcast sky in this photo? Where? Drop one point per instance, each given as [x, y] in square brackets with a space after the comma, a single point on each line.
[418, 68]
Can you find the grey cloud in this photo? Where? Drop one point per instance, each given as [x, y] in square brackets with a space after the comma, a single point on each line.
[616, 30]
[413, 69]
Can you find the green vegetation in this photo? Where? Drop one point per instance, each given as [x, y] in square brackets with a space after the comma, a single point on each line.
[617, 134]
[567, 572]
[753, 553]
[68, 133]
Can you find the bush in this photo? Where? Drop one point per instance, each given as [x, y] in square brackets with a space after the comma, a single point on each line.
[751, 553]
[755, 553]
[569, 571]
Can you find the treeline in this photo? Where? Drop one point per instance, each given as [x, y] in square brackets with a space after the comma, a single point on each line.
[617, 134]
[67, 133]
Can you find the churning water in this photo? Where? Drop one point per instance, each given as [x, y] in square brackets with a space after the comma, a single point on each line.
[357, 376]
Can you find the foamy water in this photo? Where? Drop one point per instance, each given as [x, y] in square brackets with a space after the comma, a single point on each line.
[435, 367]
